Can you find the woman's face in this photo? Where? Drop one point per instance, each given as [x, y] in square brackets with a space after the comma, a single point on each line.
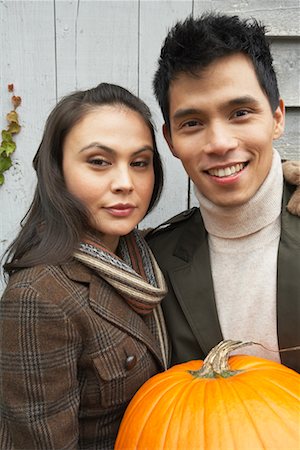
[108, 166]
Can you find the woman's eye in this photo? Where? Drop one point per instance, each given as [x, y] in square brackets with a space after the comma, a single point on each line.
[98, 162]
[140, 163]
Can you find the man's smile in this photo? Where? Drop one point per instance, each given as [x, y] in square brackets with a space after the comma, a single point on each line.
[227, 171]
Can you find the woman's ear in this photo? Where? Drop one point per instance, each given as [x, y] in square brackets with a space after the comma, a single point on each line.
[279, 116]
[167, 136]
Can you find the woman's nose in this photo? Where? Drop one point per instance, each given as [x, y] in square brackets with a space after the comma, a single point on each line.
[122, 181]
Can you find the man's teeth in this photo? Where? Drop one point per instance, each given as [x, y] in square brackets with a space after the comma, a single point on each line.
[227, 171]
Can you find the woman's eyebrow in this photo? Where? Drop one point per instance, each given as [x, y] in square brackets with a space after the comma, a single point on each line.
[98, 145]
[111, 150]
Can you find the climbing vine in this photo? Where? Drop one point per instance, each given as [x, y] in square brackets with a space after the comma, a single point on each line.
[8, 144]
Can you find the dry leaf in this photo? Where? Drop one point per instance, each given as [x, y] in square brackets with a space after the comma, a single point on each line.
[16, 100]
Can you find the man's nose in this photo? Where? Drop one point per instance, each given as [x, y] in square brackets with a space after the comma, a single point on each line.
[220, 139]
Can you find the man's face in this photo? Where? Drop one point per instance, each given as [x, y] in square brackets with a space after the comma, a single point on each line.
[222, 129]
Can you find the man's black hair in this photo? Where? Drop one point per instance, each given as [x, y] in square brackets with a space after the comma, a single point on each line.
[193, 44]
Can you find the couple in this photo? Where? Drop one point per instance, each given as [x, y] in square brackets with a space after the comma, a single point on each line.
[81, 321]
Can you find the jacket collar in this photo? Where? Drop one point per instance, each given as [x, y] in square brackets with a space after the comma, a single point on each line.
[288, 288]
[193, 263]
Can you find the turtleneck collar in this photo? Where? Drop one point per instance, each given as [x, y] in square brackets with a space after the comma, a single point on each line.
[260, 211]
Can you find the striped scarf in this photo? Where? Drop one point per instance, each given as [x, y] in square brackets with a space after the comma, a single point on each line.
[134, 273]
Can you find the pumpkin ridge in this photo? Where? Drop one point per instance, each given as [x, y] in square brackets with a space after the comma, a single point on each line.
[266, 401]
[150, 398]
[220, 387]
[247, 413]
[178, 408]
[286, 396]
[167, 411]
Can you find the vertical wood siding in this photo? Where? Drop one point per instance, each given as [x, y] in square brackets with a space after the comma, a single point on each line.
[51, 47]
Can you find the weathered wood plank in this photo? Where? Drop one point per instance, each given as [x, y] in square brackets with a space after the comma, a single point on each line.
[289, 144]
[27, 55]
[96, 41]
[155, 20]
[282, 17]
[286, 54]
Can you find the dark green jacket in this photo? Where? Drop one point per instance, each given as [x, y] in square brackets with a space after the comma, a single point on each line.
[181, 249]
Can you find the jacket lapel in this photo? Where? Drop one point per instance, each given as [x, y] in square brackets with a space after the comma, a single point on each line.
[288, 294]
[191, 280]
[107, 303]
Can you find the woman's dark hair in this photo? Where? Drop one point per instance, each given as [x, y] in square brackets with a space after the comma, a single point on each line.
[193, 44]
[56, 220]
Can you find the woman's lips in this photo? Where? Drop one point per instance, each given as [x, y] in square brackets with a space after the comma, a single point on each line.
[120, 210]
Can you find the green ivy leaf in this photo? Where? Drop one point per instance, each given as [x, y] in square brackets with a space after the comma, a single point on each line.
[1, 179]
[5, 163]
[6, 136]
[9, 147]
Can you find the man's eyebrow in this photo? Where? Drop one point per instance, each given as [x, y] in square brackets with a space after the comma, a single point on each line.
[180, 113]
[244, 100]
[238, 101]
[111, 150]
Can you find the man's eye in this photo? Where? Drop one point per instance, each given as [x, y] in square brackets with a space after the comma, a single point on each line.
[241, 112]
[191, 123]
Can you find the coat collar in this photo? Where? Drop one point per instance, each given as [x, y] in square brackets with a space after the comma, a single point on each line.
[193, 263]
[288, 288]
[108, 304]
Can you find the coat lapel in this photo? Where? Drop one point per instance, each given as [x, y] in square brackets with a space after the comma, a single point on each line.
[191, 280]
[288, 294]
[108, 304]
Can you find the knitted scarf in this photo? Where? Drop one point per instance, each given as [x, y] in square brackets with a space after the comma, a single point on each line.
[134, 273]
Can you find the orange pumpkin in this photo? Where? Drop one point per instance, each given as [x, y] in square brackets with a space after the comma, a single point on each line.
[245, 403]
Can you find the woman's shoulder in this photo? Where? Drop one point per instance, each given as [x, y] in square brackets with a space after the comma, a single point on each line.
[46, 281]
[31, 276]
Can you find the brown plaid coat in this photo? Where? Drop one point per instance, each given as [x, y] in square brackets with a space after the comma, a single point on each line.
[72, 354]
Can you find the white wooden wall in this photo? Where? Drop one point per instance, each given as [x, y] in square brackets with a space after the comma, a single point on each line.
[51, 47]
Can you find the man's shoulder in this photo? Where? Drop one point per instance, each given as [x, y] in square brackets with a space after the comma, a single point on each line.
[175, 224]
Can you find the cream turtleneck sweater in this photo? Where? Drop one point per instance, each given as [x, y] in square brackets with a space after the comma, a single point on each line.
[243, 244]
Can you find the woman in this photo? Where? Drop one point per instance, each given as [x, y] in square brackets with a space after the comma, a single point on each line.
[81, 326]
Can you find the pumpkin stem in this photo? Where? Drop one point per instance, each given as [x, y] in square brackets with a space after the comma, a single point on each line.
[216, 364]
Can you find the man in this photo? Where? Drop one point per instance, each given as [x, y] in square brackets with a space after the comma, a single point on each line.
[233, 264]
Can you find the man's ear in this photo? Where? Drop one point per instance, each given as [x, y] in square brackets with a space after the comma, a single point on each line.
[167, 136]
[279, 116]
